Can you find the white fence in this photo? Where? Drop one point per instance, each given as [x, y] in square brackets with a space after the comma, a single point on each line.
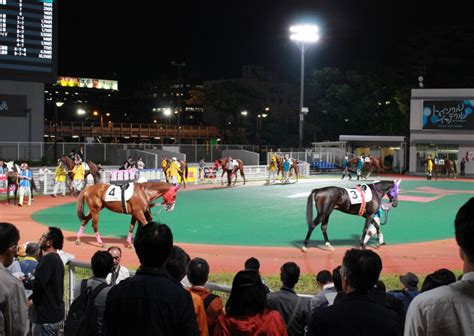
[45, 182]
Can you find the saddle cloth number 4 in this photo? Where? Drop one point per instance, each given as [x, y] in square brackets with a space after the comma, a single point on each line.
[114, 193]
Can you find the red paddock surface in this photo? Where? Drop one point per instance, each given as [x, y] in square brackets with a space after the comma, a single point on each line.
[397, 259]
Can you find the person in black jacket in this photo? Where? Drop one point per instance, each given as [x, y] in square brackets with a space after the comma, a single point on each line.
[151, 302]
[47, 284]
[357, 313]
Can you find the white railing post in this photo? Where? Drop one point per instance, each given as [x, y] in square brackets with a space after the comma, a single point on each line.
[71, 278]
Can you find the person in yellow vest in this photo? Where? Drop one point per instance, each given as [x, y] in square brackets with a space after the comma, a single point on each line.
[78, 179]
[429, 168]
[173, 171]
[272, 169]
[60, 175]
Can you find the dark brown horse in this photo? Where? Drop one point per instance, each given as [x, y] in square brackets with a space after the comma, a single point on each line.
[222, 163]
[293, 167]
[329, 198]
[13, 180]
[183, 173]
[93, 170]
[138, 205]
[446, 169]
[373, 165]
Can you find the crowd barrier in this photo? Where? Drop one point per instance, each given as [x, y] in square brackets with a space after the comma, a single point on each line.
[45, 182]
[78, 270]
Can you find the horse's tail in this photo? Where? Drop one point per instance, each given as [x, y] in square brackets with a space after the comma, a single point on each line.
[186, 170]
[309, 207]
[80, 206]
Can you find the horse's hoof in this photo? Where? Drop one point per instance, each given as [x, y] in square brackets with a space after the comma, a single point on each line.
[304, 249]
[78, 242]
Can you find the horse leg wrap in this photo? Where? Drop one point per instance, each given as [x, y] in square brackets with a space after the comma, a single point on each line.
[98, 238]
[81, 231]
[129, 238]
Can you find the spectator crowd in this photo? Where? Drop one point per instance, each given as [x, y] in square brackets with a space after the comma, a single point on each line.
[155, 301]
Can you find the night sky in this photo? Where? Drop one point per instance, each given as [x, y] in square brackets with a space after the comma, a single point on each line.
[131, 41]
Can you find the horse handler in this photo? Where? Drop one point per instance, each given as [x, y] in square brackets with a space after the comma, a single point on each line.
[78, 180]
[173, 171]
[60, 175]
[429, 168]
[229, 169]
[272, 169]
[372, 231]
[25, 177]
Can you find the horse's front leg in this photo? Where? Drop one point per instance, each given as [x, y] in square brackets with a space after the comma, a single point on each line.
[222, 177]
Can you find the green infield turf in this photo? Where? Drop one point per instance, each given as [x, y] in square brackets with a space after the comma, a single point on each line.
[274, 215]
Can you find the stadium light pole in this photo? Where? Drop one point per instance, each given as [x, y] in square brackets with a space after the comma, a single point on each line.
[180, 94]
[57, 105]
[303, 35]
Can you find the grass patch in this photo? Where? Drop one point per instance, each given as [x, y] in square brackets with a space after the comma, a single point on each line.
[307, 283]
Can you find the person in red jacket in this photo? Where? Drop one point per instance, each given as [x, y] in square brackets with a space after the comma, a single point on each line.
[246, 310]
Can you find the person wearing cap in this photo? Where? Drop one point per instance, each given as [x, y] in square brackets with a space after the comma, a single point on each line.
[78, 179]
[345, 166]
[229, 168]
[42, 172]
[409, 289]
[25, 177]
[60, 175]
[174, 171]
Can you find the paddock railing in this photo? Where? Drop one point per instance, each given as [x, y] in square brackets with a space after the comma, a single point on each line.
[45, 182]
[78, 271]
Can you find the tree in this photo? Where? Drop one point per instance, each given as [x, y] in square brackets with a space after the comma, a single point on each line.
[224, 102]
[354, 102]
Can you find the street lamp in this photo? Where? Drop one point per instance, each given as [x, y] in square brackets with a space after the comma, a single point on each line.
[180, 94]
[57, 105]
[260, 118]
[167, 112]
[244, 113]
[303, 35]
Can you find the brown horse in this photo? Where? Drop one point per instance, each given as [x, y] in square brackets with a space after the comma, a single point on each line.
[93, 170]
[448, 169]
[13, 180]
[293, 167]
[374, 165]
[222, 163]
[138, 205]
[183, 173]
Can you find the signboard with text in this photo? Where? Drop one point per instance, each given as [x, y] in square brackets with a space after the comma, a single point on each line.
[28, 40]
[13, 105]
[450, 114]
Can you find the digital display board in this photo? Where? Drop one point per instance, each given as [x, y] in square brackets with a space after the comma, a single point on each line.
[28, 40]
[448, 114]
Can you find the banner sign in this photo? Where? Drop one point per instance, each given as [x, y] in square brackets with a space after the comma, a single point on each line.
[90, 83]
[450, 114]
[4, 184]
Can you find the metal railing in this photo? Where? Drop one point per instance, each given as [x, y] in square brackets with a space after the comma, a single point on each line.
[131, 130]
[45, 182]
[79, 270]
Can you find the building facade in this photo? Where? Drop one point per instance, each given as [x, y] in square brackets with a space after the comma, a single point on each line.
[442, 127]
